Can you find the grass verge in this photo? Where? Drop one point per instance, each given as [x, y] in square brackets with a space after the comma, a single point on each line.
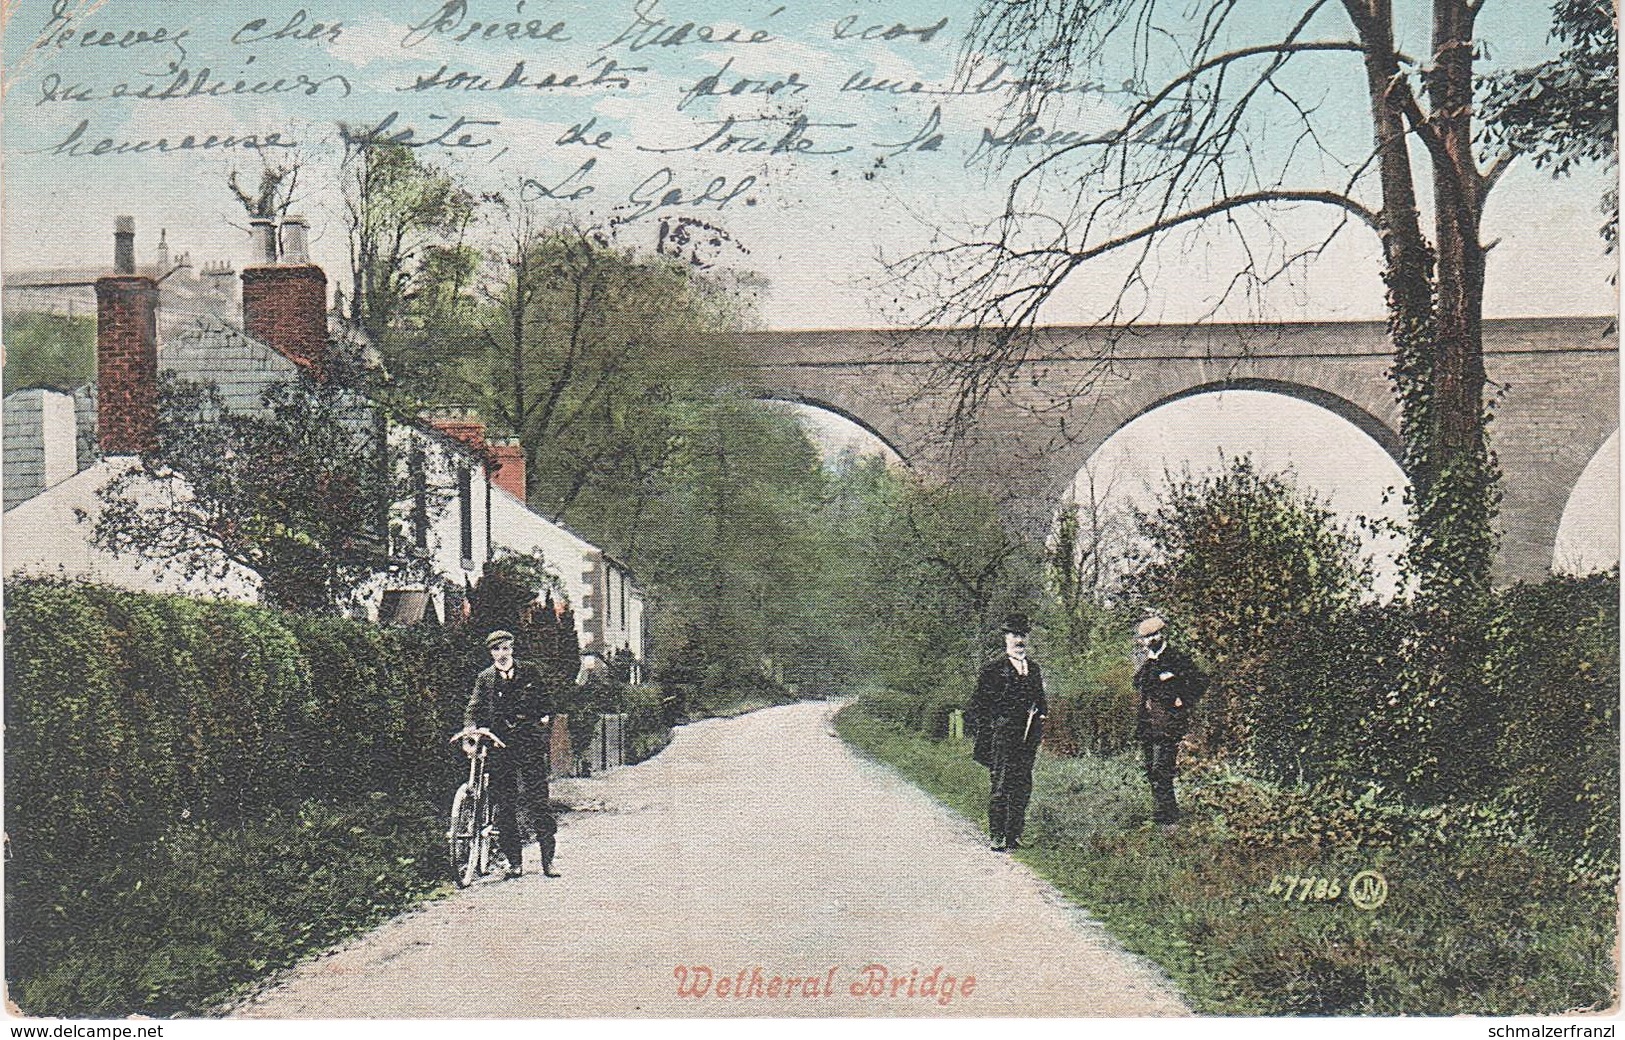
[186, 925]
[1468, 926]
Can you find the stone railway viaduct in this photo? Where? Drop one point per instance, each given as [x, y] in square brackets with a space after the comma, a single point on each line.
[1557, 381]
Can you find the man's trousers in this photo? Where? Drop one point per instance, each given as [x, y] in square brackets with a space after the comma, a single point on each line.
[506, 767]
[1161, 759]
[1011, 781]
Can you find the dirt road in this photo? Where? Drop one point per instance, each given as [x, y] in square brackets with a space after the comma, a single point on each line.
[756, 867]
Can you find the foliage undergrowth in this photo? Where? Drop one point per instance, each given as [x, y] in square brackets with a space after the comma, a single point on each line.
[177, 927]
[1474, 922]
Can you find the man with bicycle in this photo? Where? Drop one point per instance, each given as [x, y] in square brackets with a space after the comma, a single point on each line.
[510, 700]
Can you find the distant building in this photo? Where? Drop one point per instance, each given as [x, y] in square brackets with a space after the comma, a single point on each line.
[61, 449]
[185, 292]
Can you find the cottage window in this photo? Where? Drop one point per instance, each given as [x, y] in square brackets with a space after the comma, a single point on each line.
[417, 465]
[465, 516]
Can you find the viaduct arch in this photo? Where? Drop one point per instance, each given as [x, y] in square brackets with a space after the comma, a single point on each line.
[1556, 379]
[825, 406]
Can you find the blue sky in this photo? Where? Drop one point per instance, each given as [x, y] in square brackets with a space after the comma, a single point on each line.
[814, 187]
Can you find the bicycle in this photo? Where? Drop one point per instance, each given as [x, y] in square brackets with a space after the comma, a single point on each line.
[472, 834]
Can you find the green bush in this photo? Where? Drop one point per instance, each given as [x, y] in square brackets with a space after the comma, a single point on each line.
[646, 726]
[1088, 656]
[1552, 676]
[1248, 569]
[1321, 696]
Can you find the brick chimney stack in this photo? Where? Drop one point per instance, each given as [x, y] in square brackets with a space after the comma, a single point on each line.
[285, 297]
[507, 462]
[126, 352]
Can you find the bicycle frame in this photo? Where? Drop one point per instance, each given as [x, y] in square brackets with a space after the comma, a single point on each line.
[472, 834]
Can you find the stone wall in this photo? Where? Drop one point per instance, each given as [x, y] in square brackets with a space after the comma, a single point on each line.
[40, 443]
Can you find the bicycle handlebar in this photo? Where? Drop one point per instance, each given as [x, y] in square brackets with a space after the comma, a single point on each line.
[477, 734]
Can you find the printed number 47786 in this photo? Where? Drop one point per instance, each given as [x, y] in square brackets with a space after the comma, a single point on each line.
[1305, 888]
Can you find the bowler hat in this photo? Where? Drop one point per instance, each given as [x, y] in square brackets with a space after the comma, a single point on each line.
[1150, 627]
[499, 636]
[1016, 624]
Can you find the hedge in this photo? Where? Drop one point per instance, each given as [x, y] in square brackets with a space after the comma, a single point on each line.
[132, 718]
[1552, 677]
[127, 715]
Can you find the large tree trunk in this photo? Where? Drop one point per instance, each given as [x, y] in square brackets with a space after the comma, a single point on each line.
[1460, 508]
[1459, 366]
[1407, 260]
[1435, 303]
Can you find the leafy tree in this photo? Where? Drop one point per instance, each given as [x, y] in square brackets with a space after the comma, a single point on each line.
[50, 350]
[299, 492]
[1088, 645]
[1565, 111]
[731, 546]
[938, 570]
[410, 263]
[1247, 568]
[1091, 540]
[588, 351]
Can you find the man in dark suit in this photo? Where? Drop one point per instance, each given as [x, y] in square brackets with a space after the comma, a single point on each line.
[1007, 714]
[1167, 686]
[511, 700]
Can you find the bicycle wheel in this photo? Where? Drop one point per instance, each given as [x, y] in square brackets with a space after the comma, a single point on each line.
[463, 839]
[479, 858]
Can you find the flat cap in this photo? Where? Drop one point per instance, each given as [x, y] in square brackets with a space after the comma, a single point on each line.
[1150, 627]
[501, 635]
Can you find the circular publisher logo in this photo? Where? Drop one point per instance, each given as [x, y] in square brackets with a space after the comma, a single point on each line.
[1368, 890]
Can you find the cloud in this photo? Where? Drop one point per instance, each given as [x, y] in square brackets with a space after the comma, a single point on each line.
[377, 41]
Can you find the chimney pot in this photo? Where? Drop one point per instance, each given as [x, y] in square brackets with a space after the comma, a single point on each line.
[124, 245]
[262, 240]
[295, 241]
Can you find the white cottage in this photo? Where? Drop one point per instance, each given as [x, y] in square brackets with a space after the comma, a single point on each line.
[60, 450]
